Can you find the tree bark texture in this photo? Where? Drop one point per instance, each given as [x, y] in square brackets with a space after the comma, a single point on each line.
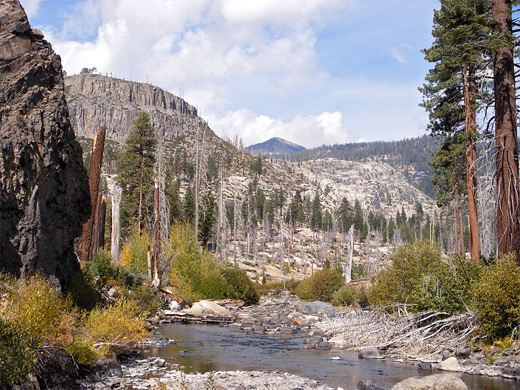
[469, 86]
[508, 227]
[85, 241]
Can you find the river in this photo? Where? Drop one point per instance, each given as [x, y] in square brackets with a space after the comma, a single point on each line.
[204, 348]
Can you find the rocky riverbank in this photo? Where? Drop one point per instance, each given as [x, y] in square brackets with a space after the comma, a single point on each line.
[286, 317]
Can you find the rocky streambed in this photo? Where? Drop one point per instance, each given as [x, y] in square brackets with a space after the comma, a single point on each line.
[281, 344]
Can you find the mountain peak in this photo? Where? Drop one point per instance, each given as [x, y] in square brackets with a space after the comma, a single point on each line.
[275, 145]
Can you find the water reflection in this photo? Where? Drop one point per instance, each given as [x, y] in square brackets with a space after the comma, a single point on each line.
[204, 348]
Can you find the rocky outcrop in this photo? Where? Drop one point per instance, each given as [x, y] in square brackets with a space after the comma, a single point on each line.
[97, 101]
[431, 382]
[44, 190]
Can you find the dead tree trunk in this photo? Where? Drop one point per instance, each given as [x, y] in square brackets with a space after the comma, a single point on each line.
[102, 219]
[508, 226]
[461, 229]
[85, 241]
[115, 193]
[95, 228]
[155, 271]
[350, 244]
[455, 230]
[468, 78]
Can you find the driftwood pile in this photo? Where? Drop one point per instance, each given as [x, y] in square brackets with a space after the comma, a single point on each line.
[401, 333]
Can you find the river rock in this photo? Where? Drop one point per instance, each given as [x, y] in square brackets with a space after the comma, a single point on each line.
[450, 364]
[431, 382]
[208, 308]
[370, 384]
[316, 308]
[44, 190]
[462, 353]
[369, 353]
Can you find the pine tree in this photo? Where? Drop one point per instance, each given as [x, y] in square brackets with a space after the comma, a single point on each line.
[135, 166]
[208, 218]
[461, 31]
[316, 217]
[188, 206]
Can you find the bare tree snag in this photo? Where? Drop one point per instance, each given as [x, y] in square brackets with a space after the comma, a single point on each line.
[102, 218]
[508, 226]
[115, 193]
[85, 241]
[95, 229]
[154, 270]
[350, 245]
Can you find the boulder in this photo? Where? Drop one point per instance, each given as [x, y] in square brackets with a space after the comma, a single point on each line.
[431, 382]
[370, 353]
[462, 353]
[44, 197]
[208, 308]
[370, 384]
[316, 308]
[450, 364]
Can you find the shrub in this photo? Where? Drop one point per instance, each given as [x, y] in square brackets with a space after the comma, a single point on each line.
[343, 296]
[117, 327]
[419, 276]
[145, 297]
[134, 254]
[40, 312]
[321, 286]
[241, 286]
[17, 357]
[498, 298]
[102, 269]
[214, 285]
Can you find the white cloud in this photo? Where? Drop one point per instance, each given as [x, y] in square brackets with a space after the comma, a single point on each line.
[308, 131]
[31, 7]
[222, 46]
[399, 52]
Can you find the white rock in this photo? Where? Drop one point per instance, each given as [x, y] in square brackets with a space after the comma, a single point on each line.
[208, 308]
[450, 364]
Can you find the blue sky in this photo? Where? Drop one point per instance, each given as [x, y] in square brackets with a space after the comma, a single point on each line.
[311, 71]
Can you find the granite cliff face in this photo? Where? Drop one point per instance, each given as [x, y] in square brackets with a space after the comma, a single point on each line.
[44, 189]
[97, 101]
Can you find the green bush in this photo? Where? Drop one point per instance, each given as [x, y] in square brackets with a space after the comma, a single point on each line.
[17, 357]
[321, 286]
[214, 285]
[343, 297]
[145, 297]
[419, 276]
[102, 269]
[498, 298]
[241, 286]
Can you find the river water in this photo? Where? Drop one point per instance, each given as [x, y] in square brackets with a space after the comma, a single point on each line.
[204, 348]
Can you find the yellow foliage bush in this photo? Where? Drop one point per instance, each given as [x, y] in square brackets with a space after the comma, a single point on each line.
[35, 308]
[134, 253]
[116, 327]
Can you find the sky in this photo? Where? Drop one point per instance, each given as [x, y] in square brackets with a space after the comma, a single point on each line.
[315, 72]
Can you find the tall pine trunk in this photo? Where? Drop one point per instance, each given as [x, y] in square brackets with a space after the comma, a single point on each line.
[508, 227]
[469, 87]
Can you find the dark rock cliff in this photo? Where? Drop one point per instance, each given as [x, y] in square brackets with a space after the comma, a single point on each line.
[44, 189]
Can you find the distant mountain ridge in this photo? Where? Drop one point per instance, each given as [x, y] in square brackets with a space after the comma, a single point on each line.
[275, 145]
